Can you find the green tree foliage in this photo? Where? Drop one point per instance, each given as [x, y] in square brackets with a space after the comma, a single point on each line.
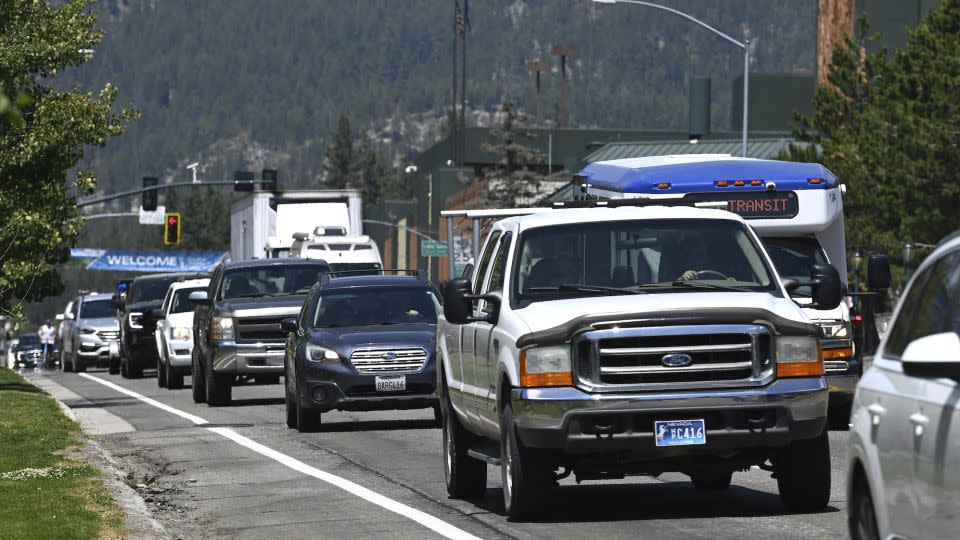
[372, 171]
[39, 220]
[204, 218]
[889, 129]
[340, 163]
[512, 182]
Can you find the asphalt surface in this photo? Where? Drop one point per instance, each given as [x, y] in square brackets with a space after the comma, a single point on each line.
[200, 484]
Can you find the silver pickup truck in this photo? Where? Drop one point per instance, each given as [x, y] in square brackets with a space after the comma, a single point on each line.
[622, 340]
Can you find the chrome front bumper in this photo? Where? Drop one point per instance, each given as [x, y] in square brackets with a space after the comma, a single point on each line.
[260, 358]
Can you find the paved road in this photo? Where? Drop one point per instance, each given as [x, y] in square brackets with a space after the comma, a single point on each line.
[201, 484]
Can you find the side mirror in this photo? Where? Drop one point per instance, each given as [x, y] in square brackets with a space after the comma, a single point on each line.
[878, 272]
[199, 298]
[456, 305]
[59, 316]
[156, 313]
[289, 325]
[69, 315]
[933, 357]
[825, 282]
[467, 271]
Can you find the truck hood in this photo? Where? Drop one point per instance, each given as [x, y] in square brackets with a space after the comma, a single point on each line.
[345, 340]
[554, 315]
[839, 313]
[180, 319]
[261, 306]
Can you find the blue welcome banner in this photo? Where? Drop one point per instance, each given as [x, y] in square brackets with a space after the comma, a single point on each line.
[158, 261]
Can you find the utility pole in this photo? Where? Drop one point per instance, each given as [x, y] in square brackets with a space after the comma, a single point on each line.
[563, 51]
[537, 67]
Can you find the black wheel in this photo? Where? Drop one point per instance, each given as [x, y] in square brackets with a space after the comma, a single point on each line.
[711, 480]
[174, 377]
[862, 519]
[466, 477]
[803, 474]
[219, 387]
[197, 384]
[437, 416]
[308, 420]
[291, 403]
[839, 417]
[123, 366]
[134, 367]
[526, 479]
[114, 366]
[78, 365]
[64, 365]
[161, 373]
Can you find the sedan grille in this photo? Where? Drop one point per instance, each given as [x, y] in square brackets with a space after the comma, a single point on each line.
[408, 360]
[260, 328]
[674, 357]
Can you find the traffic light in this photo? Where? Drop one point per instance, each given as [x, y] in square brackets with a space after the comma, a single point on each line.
[149, 198]
[243, 181]
[269, 182]
[171, 229]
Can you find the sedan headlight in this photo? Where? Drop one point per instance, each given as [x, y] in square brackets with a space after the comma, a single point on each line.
[834, 329]
[321, 354]
[546, 366]
[798, 356]
[221, 328]
[180, 333]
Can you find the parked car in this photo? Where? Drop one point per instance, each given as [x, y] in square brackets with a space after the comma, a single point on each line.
[903, 470]
[236, 327]
[174, 332]
[28, 352]
[362, 343]
[136, 307]
[89, 331]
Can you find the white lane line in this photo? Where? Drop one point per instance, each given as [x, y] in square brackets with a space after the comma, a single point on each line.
[435, 524]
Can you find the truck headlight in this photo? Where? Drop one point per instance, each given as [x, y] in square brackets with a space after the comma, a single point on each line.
[834, 329]
[546, 366]
[321, 355]
[180, 333]
[135, 320]
[798, 356]
[221, 328]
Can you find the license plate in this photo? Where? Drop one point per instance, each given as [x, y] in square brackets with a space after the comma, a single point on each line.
[392, 383]
[679, 432]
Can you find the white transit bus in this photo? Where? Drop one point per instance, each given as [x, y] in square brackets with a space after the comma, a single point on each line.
[796, 209]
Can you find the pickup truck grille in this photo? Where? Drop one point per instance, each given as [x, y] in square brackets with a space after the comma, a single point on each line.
[704, 356]
[407, 360]
[260, 328]
[109, 335]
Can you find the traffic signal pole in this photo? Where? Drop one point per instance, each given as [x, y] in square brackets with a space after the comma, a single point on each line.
[133, 192]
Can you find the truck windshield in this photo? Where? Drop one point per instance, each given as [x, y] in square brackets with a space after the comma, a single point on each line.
[376, 306]
[270, 280]
[153, 289]
[641, 256]
[180, 303]
[793, 257]
[97, 309]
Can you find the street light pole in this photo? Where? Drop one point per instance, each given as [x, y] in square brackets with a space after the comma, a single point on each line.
[745, 45]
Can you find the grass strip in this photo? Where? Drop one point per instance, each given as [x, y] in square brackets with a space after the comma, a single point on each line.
[46, 489]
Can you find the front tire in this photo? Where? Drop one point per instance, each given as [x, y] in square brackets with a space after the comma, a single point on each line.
[65, 366]
[174, 377]
[862, 518]
[308, 420]
[114, 366]
[291, 406]
[526, 479]
[803, 474]
[466, 477]
[161, 373]
[78, 365]
[197, 383]
[219, 387]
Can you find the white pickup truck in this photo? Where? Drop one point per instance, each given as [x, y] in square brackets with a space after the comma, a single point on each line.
[620, 338]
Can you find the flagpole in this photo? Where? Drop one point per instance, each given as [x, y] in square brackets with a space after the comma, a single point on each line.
[452, 119]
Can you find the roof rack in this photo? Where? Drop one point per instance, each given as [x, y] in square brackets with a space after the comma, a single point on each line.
[639, 201]
[419, 273]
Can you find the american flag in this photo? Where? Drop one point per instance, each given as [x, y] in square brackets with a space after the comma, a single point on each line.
[458, 19]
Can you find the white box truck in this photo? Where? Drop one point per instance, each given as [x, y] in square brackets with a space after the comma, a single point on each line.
[263, 223]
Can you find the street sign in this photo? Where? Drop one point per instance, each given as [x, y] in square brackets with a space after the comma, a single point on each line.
[154, 217]
[433, 248]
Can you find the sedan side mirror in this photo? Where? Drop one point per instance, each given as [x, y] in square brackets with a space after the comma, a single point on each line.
[199, 298]
[878, 272]
[935, 356]
[289, 325]
[825, 282]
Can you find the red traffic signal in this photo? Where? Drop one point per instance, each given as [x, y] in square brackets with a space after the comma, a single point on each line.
[171, 229]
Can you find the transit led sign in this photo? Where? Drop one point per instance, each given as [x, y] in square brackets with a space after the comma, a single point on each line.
[754, 204]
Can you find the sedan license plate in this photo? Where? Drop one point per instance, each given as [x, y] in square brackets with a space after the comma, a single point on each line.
[679, 432]
[392, 383]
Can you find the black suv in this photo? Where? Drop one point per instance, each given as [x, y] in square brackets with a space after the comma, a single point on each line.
[135, 312]
[236, 327]
[362, 343]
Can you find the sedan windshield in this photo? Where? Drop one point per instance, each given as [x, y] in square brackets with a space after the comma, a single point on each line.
[637, 257]
[28, 341]
[376, 306]
[96, 309]
[276, 280]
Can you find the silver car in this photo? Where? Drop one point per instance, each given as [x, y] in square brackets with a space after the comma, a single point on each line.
[904, 457]
[89, 333]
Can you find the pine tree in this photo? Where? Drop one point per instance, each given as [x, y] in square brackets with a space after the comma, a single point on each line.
[372, 171]
[512, 182]
[339, 165]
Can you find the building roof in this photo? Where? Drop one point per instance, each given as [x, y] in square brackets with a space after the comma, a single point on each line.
[768, 148]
